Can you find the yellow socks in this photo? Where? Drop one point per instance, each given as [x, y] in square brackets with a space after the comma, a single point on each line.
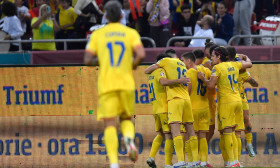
[194, 148]
[248, 137]
[189, 151]
[203, 150]
[239, 146]
[112, 144]
[178, 145]
[222, 147]
[229, 146]
[235, 146]
[168, 149]
[155, 146]
[127, 129]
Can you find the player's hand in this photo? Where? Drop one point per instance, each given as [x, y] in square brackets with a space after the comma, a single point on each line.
[200, 75]
[185, 80]
[242, 57]
[219, 21]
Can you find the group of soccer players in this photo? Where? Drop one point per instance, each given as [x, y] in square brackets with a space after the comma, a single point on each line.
[183, 93]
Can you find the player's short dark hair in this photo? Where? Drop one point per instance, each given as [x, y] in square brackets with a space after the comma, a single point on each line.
[171, 51]
[185, 6]
[222, 52]
[231, 52]
[212, 48]
[198, 53]
[113, 11]
[189, 55]
[9, 9]
[162, 55]
[208, 44]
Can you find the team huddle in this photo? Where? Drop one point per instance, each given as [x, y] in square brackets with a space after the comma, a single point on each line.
[182, 92]
[183, 95]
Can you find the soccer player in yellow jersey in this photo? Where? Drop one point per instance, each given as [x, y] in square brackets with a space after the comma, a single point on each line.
[244, 76]
[112, 47]
[212, 94]
[200, 106]
[157, 83]
[225, 75]
[179, 108]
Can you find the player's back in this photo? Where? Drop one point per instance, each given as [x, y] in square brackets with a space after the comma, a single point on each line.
[175, 69]
[157, 91]
[114, 45]
[199, 93]
[227, 84]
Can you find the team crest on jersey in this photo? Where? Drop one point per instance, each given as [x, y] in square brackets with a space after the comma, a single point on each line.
[161, 74]
[213, 72]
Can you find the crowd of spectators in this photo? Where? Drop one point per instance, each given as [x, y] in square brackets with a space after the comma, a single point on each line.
[157, 19]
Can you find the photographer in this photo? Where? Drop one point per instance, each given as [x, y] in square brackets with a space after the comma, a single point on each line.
[44, 27]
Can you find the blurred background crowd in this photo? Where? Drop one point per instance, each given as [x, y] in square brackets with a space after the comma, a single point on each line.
[157, 19]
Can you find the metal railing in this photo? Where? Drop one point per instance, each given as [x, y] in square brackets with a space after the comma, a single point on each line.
[65, 41]
[253, 36]
[186, 38]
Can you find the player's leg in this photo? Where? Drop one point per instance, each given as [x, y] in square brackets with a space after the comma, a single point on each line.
[111, 141]
[168, 149]
[203, 148]
[238, 134]
[228, 138]
[175, 110]
[127, 100]
[203, 128]
[223, 149]
[212, 111]
[188, 120]
[240, 127]
[108, 111]
[226, 119]
[156, 142]
[248, 131]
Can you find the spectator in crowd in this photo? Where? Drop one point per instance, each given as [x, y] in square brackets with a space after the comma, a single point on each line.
[88, 13]
[67, 18]
[142, 23]
[208, 8]
[35, 11]
[259, 5]
[22, 13]
[159, 21]
[127, 11]
[44, 27]
[202, 29]
[223, 25]
[11, 24]
[242, 14]
[186, 25]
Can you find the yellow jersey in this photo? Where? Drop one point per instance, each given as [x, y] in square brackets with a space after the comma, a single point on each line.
[175, 69]
[113, 44]
[199, 93]
[157, 91]
[244, 76]
[67, 16]
[205, 59]
[227, 84]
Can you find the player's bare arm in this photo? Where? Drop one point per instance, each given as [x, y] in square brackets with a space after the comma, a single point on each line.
[189, 88]
[247, 63]
[139, 55]
[169, 82]
[151, 68]
[210, 83]
[90, 60]
[253, 82]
